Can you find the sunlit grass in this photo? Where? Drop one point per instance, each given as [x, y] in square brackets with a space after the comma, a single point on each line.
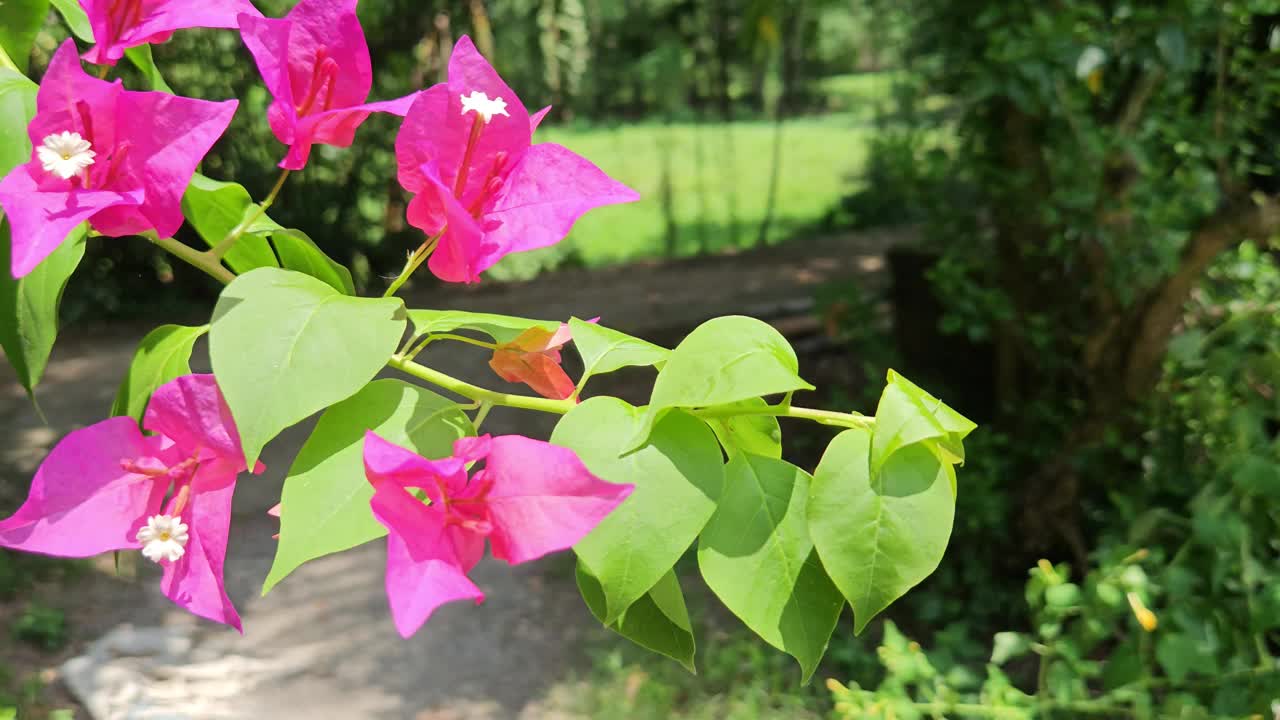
[719, 186]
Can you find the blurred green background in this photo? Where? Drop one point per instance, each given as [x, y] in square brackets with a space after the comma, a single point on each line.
[1097, 283]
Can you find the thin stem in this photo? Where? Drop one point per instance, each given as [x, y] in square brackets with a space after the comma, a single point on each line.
[463, 339]
[432, 337]
[415, 261]
[227, 242]
[404, 363]
[826, 417]
[481, 414]
[194, 257]
[475, 392]
[102, 71]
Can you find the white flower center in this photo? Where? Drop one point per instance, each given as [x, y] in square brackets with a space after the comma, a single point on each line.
[65, 154]
[483, 106]
[163, 538]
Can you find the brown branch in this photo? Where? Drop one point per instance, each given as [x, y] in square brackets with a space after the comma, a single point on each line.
[1236, 221]
[1136, 105]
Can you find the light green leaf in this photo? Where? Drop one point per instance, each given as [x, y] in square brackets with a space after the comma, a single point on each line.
[325, 504]
[723, 361]
[29, 306]
[20, 21]
[879, 535]
[1009, 645]
[164, 354]
[756, 556]
[502, 328]
[75, 18]
[604, 350]
[756, 434]
[285, 345]
[298, 252]
[658, 621]
[677, 477]
[17, 107]
[906, 415]
[141, 58]
[215, 208]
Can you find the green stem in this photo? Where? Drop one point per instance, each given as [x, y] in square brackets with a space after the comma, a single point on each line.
[432, 337]
[481, 414]
[460, 338]
[227, 242]
[475, 392]
[194, 257]
[825, 417]
[415, 260]
[404, 363]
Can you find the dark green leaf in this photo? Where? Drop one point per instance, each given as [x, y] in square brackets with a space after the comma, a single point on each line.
[756, 555]
[298, 252]
[677, 477]
[1180, 655]
[163, 355]
[325, 504]
[658, 621]
[215, 208]
[29, 306]
[285, 345]
[20, 21]
[141, 58]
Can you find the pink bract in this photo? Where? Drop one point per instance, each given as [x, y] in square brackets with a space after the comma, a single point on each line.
[504, 194]
[531, 498]
[100, 484]
[315, 62]
[146, 145]
[122, 24]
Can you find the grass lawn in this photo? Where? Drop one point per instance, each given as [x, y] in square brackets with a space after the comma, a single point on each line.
[719, 186]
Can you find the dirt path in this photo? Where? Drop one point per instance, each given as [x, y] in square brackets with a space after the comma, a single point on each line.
[322, 645]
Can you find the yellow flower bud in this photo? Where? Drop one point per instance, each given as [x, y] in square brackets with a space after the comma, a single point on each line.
[1146, 618]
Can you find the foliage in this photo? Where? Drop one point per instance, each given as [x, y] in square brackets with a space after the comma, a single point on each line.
[1095, 159]
[44, 627]
[739, 678]
[290, 337]
[1118, 643]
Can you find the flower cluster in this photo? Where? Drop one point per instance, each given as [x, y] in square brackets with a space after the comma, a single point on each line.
[104, 488]
[120, 161]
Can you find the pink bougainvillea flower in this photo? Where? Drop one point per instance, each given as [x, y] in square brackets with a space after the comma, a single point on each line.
[117, 158]
[533, 358]
[531, 498]
[315, 62]
[465, 150]
[102, 488]
[121, 24]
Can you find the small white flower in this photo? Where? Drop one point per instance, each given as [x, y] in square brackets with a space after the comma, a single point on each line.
[65, 154]
[163, 538]
[483, 106]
